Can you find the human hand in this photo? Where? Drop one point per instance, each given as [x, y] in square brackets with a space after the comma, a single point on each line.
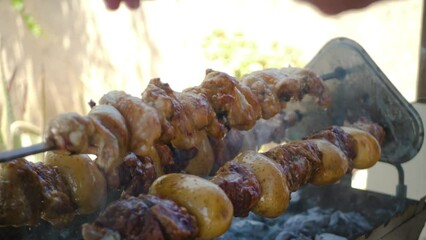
[114, 4]
[332, 7]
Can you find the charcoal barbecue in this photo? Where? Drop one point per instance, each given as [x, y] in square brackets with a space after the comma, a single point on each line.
[358, 90]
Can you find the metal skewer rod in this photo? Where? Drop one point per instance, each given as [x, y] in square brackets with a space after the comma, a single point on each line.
[339, 73]
[25, 151]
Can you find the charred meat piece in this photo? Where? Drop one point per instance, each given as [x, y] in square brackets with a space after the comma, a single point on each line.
[136, 174]
[143, 217]
[240, 185]
[30, 191]
[20, 194]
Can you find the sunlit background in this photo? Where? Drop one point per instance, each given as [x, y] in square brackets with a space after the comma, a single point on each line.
[56, 55]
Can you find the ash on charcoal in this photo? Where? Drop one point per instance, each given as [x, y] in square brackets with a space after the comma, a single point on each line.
[313, 224]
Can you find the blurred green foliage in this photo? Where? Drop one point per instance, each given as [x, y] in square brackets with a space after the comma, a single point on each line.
[29, 21]
[244, 55]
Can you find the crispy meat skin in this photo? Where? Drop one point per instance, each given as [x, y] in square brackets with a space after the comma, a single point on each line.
[235, 102]
[202, 114]
[30, 191]
[143, 217]
[142, 120]
[274, 87]
[240, 185]
[163, 99]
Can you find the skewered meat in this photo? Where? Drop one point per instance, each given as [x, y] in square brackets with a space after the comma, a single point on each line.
[233, 101]
[180, 120]
[81, 134]
[240, 185]
[111, 118]
[334, 164]
[177, 118]
[366, 146]
[136, 174]
[142, 120]
[274, 87]
[297, 161]
[81, 176]
[30, 191]
[55, 190]
[202, 198]
[143, 217]
[275, 195]
[270, 171]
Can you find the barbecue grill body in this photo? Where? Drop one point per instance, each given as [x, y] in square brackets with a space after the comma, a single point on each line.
[359, 89]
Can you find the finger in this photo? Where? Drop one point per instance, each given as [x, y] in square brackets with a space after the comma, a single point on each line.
[112, 4]
[132, 4]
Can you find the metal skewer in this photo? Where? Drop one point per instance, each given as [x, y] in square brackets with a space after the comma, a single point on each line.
[339, 73]
[25, 151]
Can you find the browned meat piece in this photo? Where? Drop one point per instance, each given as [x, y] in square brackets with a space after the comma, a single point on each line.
[142, 120]
[20, 194]
[202, 114]
[166, 157]
[129, 217]
[176, 222]
[111, 119]
[32, 191]
[71, 132]
[143, 217]
[163, 103]
[240, 185]
[162, 98]
[339, 138]
[264, 92]
[136, 174]
[298, 160]
[373, 128]
[83, 134]
[274, 87]
[57, 205]
[233, 103]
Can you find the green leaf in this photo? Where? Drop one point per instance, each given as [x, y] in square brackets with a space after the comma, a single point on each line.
[18, 5]
[32, 25]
